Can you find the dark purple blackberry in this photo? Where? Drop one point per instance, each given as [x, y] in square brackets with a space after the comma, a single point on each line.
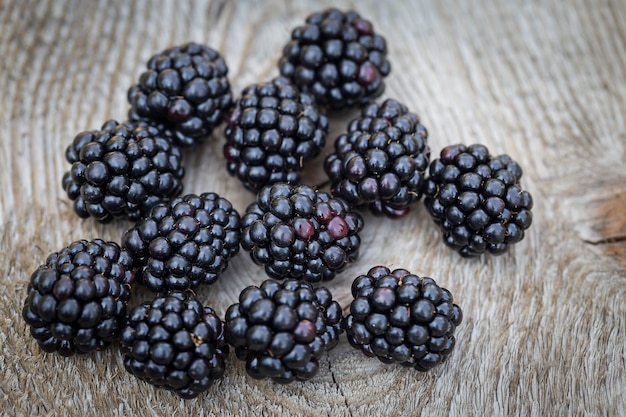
[273, 130]
[185, 243]
[297, 232]
[121, 171]
[401, 318]
[77, 300]
[176, 343]
[381, 161]
[477, 201]
[338, 58]
[281, 329]
[185, 91]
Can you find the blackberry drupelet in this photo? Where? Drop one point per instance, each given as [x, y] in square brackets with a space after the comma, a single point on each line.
[338, 58]
[185, 91]
[280, 329]
[121, 171]
[185, 243]
[176, 343]
[477, 201]
[77, 300]
[273, 130]
[401, 318]
[381, 161]
[298, 232]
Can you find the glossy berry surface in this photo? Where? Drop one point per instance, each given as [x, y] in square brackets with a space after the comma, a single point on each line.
[338, 58]
[185, 243]
[185, 91]
[298, 232]
[77, 299]
[280, 329]
[381, 161]
[272, 132]
[401, 318]
[121, 171]
[477, 200]
[176, 343]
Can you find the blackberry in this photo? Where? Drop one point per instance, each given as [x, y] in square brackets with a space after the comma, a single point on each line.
[381, 161]
[281, 329]
[185, 243]
[121, 171]
[273, 130]
[77, 299]
[337, 57]
[297, 232]
[477, 201]
[176, 343]
[401, 318]
[185, 90]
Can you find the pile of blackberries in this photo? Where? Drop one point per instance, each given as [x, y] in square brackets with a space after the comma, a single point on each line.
[78, 299]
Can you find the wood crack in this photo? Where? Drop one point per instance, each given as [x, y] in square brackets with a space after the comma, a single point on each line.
[613, 239]
[219, 10]
[332, 374]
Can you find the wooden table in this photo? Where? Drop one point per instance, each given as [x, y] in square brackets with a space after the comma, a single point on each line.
[544, 81]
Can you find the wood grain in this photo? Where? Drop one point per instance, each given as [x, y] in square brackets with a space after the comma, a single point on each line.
[544, 81]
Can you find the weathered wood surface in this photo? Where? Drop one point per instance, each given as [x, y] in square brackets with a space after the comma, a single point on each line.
[544, 81]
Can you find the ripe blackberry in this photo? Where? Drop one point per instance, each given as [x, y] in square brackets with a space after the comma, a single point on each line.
[297, 232]
[273, 130]
[122, 170]
[381, 161]
[477, 201]
[176, 343]
[184, 90]
[185, 243]
[338, 58]
[281, 329]
[401, 318]
[77, 300]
